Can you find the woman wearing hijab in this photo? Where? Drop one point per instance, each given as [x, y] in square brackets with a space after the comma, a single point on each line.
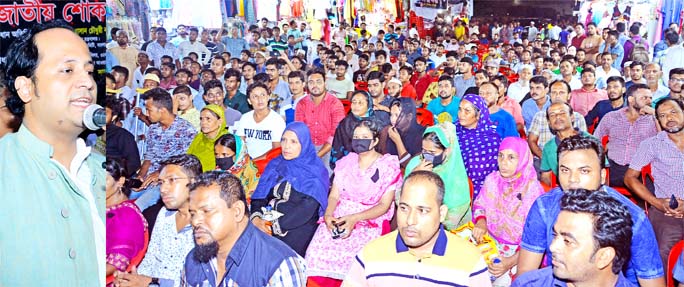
[503, 203]
[404, 135]
[231, 156]
[441, 154]
[359, 206]
[212, 127]
[478, 138]
[292, 193]
[361, 109]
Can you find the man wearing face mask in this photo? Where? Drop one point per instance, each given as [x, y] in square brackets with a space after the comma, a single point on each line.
[445, 108]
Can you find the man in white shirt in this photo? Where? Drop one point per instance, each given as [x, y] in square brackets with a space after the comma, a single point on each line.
[184, 48]
[181, 37]
[673, 56]
[341, 86]
[605, 71]
[439, 57]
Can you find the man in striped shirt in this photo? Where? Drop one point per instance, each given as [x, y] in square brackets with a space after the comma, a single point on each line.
[420, 252]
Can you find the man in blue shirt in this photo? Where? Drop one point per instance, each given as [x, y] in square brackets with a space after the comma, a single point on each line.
[580, 162]
[445, 108]
[504, 122]
[230, 250]
[591, 242]
[539, 99]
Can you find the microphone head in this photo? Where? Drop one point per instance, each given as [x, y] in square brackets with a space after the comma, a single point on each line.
[94, 117]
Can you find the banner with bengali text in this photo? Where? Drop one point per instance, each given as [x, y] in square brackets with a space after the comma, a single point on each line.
[87, 17]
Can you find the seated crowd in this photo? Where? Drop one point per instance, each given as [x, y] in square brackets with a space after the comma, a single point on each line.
[390, 160]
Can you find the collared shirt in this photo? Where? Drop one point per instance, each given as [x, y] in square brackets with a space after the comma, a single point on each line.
[645, 261]
[237, 102]
[673, 58]
[603, 75]
[156, 51]
[387, 261]
[234, 46]
[322, 119]
[540, 127]
[602, 108]
[256, 259]
[624, 136]
[549, 160]
[161, 144]
[167, 249]
[462, 85]
[583, 101]
[53, 222]
[275, 45]
[617, 50]
[530, 110]
[667, 164]
[517, 91]
[544, 278]
[203, 54]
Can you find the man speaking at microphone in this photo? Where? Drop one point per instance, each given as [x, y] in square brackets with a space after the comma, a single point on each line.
[52, 187]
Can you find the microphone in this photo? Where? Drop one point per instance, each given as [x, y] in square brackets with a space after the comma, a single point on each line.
[94, 117]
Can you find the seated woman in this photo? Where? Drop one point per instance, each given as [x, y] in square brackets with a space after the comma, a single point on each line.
[213, 126]
[231, 155]
[122, 144]
[478, 138]
[502, 205]
[359, 205]
[126, 226]
[293, 191]
[361, 109]
[404, 135]
[441, 154]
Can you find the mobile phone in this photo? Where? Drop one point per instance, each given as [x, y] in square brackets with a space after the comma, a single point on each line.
[428, 157]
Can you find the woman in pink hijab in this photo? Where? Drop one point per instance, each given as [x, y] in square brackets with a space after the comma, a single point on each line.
[502, 205]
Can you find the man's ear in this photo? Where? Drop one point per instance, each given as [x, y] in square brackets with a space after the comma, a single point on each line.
[24, 85]
[443, 209]
[239, 208]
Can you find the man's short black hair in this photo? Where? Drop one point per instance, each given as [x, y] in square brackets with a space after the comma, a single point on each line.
[182, 89]
[579, 142]
[121, 70]
[184, 71]
[212, 84]
[612, 222]
[633, 88]
[313, 71]
[231, 189]
[376, 75]
[342, 63]
[430, 177]
[540, 80]
[160, 98]
[297, 74]
[22, 61]
[616, 79]
[232, 73]
[255, 85]
[189, 164]
[567, 86]
[446, 78]
[420, 59]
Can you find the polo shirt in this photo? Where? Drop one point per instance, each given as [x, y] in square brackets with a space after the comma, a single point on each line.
[583, 101]
[238, 102]
[645, 261]
[387, 261]
[549, 160]
[544, 278]
[53, 219]
[530, 109]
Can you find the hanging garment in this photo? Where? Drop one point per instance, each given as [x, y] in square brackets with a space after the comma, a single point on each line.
[231, 8]
[297, 8]
[250, 11]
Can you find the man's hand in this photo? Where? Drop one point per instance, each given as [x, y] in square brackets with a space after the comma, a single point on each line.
[132, 279]
[149, 180]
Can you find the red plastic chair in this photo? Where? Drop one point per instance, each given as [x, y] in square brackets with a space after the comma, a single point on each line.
[621, 190]
[362, 86]
[135, 261]
[424, 117]
[604, 141]
[271, 154]
[592, 127]
[347, 106]
[522, 133]
[646, 172]
[671, 261]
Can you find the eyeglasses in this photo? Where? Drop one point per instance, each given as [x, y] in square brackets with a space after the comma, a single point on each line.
[170, 181]
[677, 80]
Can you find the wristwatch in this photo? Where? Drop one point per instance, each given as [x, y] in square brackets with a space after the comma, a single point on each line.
[154, 282]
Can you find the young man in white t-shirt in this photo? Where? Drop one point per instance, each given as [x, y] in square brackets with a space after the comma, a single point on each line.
[341, 86]
[260, 128]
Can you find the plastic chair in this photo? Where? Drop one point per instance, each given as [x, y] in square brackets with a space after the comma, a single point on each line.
[621, 190]
[671, 261]
[135, 261]
[424, 117]
[362, 86]
[271, 154]
[604, 141]
[646, 173]
[522, 133]
[347, 106]
[592, 127]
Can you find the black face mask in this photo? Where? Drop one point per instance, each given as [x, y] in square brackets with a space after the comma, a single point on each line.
[225, 163]
[361, 145]
[436, 159]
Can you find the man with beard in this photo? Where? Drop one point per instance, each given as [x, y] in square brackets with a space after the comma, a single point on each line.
[567, 70]
[636, 74]
[466, 78]
[584, 99]
[321, 111]
[445, 108]
[559, 116]
[675, 82]
[420, 252]
[579, 36]
[538, 100]
[172, 237]
[340, 85]
[592, 236]
[504, 121]
[665, 153]
[280, 91]
[229, 250]
[627, 128]
[581, 166]
[381, 102]
[616, 100]
[125, 54]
